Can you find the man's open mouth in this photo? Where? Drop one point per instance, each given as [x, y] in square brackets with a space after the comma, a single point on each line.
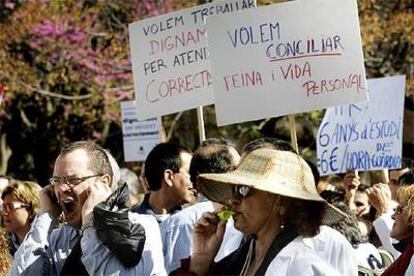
[69, 206]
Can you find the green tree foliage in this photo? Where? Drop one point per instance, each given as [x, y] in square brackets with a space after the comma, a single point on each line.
[64, 67]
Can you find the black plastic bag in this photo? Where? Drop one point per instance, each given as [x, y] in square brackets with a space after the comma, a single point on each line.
[125, 239]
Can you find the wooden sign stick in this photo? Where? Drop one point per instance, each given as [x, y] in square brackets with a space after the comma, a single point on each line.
[293, 138]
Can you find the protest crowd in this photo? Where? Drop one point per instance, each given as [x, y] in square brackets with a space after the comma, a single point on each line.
[211, 211]
[256, 206]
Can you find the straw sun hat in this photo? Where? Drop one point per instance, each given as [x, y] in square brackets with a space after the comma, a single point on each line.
[278, 172]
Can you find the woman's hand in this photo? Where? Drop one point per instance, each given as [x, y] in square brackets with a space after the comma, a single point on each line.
[351, 181]
[97, 193]
[379, 197]
[207, 238]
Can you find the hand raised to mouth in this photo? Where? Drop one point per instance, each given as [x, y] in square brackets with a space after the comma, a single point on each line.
[208, 235]
[97, 192]
[49, 202]
[224, 215]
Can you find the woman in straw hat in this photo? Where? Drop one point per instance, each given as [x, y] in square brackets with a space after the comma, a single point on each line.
[276, 205]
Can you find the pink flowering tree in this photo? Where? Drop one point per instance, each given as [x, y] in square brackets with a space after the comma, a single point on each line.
[65, 66]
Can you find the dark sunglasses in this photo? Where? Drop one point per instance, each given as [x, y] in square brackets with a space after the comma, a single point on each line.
[241, 191]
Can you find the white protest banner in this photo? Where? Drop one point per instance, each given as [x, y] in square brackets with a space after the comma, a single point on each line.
[139, 136]
[285, 58]
[170, 59]
[364, 136]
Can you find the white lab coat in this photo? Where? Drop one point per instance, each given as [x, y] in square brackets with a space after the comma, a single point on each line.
[383, 225]
[42, 253]
[298, 258]
[334, 248]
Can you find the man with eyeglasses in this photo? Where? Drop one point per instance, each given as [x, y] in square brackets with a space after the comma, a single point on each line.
[82, 177]
[167, 172]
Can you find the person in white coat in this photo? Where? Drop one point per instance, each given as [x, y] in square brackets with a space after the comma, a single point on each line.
[275, 204]
[82, 177]
[383, 198]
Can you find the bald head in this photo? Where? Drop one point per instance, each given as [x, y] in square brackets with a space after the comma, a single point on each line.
[213, 158]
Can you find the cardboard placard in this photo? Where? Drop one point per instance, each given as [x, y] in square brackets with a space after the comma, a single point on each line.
[364, 136]
[170, 59]
[139, 136]
[286, 58]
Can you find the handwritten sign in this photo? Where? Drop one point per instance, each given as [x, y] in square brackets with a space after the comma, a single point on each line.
[364, 136]
[139, 136]
[170, 59]
[286, 58]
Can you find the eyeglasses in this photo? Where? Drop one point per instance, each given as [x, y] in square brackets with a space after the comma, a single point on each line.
[12, 206]
[398, 210]
[69, 180]
[241, 192]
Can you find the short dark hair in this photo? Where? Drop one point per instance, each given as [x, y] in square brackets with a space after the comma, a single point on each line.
[164, 156]
[333, 196]
[362, 187]
[267, 142]
[334, 180]
[406, 179]
[214, 141]
[211, 158]
[348, 226]
[305, 216]
[98, 159]
[406, 163]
